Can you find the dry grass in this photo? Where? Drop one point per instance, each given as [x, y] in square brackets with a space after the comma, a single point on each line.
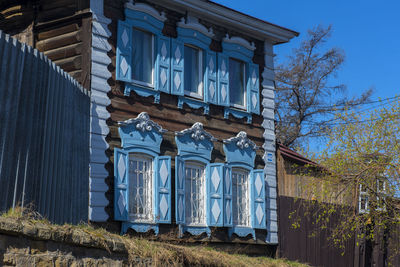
[158, 253]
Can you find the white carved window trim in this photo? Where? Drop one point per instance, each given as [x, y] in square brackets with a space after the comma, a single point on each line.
[241, 205]
[195, 196]
[241, 107]
[146, 191]
[200, 87]
[141, 83]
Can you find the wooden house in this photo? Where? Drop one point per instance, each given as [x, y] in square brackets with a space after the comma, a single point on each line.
[182, 115]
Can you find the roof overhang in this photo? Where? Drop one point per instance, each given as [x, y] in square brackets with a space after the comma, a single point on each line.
[229, 18]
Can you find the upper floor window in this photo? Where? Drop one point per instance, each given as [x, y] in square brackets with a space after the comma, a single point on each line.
[193, 69]
[195, 196]
[142, 57]
[237, 83]
[150, 63]
[240, 197]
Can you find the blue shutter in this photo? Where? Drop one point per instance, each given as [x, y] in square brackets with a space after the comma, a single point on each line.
[211, 87]
[124, 52]
[177, 61]
[180, 190]
[121, 182]
[227, 196]
[253, 89]
[223, 79]
[257, 199]
[163, 64]
[214, 194]
[163, 189]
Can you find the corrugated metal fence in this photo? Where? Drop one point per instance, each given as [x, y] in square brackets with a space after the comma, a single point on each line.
[44, 135]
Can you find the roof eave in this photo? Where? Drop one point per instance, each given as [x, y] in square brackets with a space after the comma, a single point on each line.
[227, 17]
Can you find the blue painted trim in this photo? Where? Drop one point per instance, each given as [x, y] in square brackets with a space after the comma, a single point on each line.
[143, 20]
[242, 231]
[193, 103]
[139, 227]
[237, 114]
[240, 151]
[142, 91]
[237, 51]
[194, 143]
[146, 22]
[245, 166]
[196, 230]
[193, 37]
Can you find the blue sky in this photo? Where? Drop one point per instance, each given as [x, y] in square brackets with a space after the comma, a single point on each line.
[368, 31]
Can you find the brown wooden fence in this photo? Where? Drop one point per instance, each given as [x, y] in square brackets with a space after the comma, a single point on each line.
[298, 244]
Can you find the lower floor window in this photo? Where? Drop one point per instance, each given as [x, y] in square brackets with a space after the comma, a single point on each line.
[140, 187]
[195, 193]
[240, 197]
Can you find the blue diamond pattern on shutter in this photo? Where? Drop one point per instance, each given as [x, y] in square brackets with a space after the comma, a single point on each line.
[253, 89]
[124, 52]
[121, 182]
[163, 64]
[214, 194]
[177, 67]
[163, 189]
[223, 79]
[227, 196]
[180, 190]
[257, 199]
[211, 94]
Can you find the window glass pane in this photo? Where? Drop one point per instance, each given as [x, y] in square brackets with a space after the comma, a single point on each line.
[195, 193]
[192, 70]
[140, 187]
[240, 197]
[236, 82]
[142, 56]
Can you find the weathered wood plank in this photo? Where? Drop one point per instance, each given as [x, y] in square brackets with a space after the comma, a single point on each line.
[70, 64]
[64, 52]
[59, 41]
[58, 31]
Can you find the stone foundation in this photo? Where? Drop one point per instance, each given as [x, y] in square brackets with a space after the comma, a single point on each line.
[25, 244]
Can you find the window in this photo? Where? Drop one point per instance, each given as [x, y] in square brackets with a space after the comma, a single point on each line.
[198, 183]
[142, 57]
[140, 187]
[193, 71]
[246, 199]
[143, 53]
[363, 199]
[237, 83]
[195, 195]
[142, 177]
[241, 197]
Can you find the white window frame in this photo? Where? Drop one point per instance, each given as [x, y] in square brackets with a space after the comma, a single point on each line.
[148, 216]
[381, 194]
[362, 195]
[141, 83]
[241, 107]
[200, 87]
[235, 199]
[202, 191]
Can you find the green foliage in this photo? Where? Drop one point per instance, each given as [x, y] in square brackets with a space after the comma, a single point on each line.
[362, 155]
